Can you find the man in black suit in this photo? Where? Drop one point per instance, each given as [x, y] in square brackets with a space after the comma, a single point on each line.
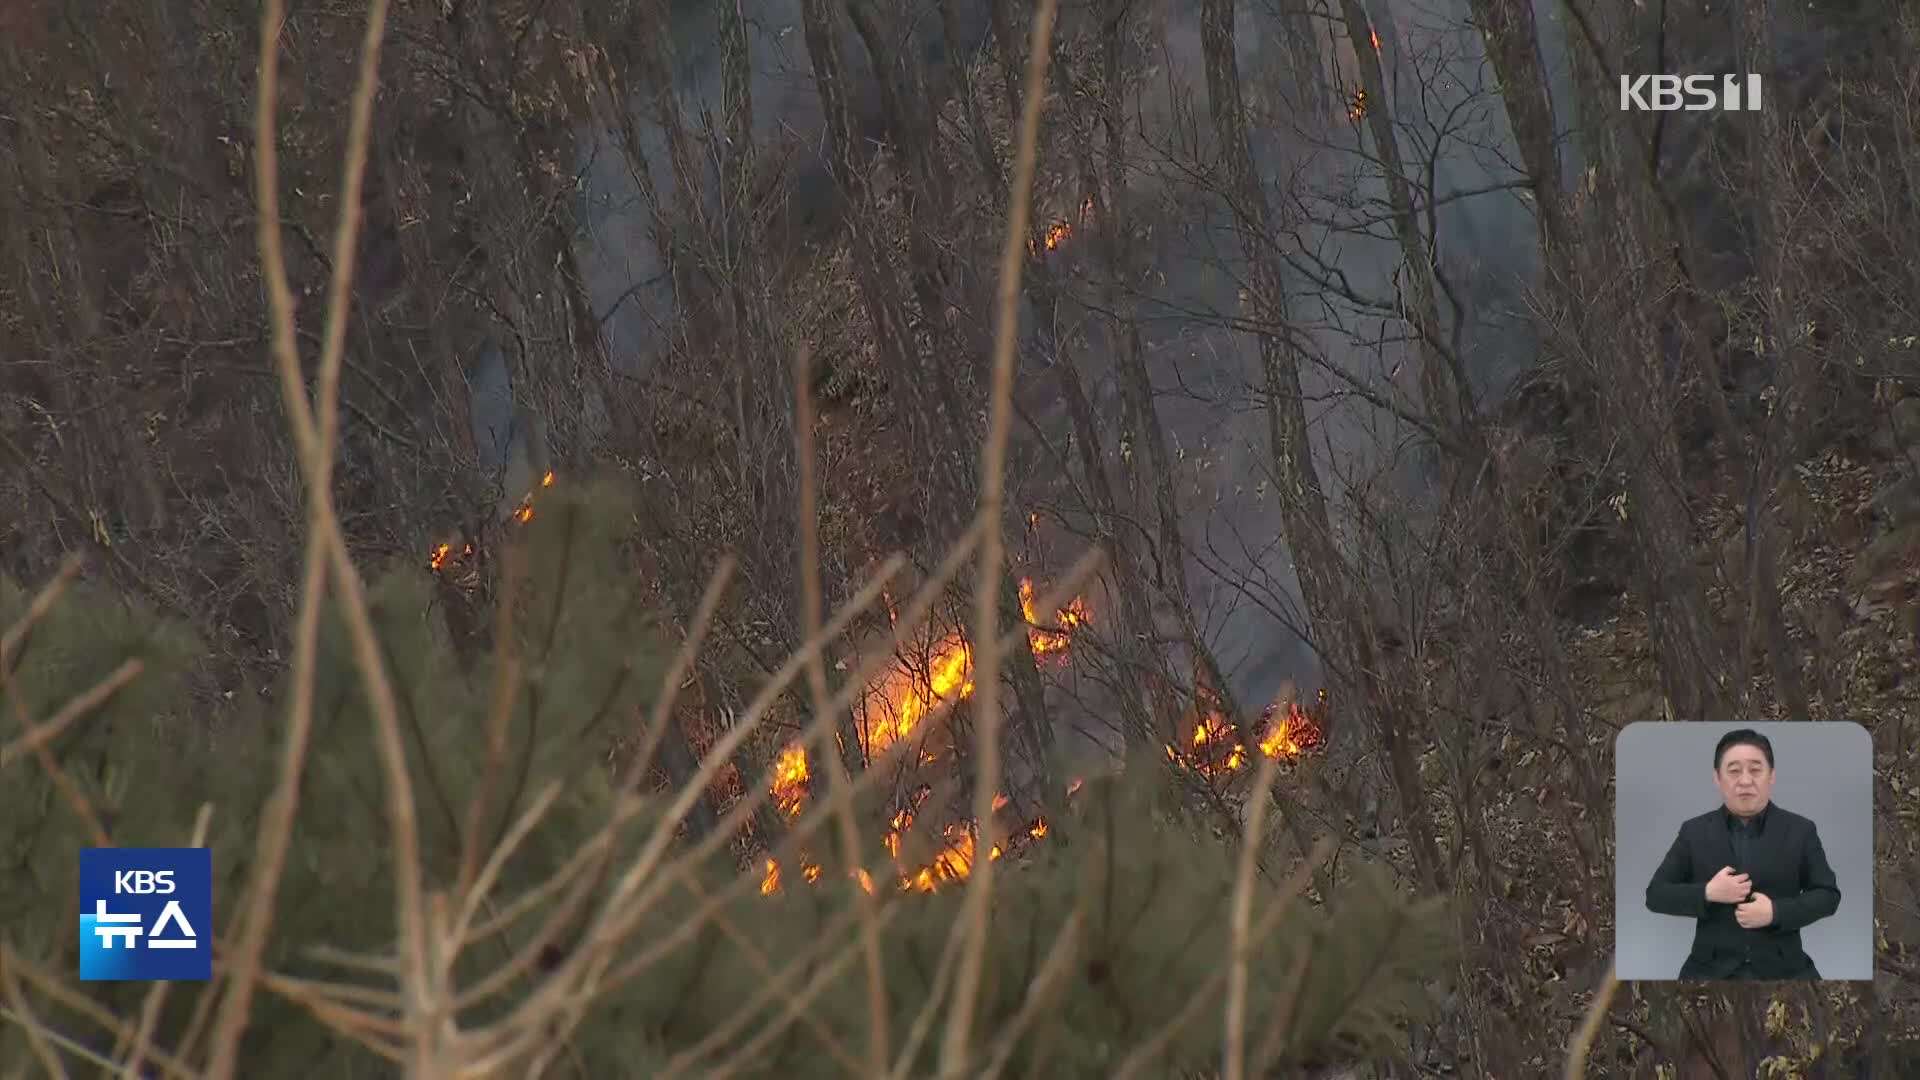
[1750, 874]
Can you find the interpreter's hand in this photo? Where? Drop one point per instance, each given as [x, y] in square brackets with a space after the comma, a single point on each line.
[1757, 912]
[1728, 887]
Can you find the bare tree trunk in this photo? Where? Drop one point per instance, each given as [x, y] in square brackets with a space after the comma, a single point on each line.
[1637, 239]
[1337, 610]
[1150, 465]
[1784, 433]
[1143, 715]
[1513, 46]
[1443, 385]
[925, 398]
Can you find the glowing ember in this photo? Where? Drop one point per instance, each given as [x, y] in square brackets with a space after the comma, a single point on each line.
[1375, 35]
[442, 553]
[1357, 106]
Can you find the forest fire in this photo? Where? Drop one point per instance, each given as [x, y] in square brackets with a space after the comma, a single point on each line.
[1059, 232]
[525, 512]
[901, 699]
[1288, 731]
[952, 862]
[442, 553]
[790, 780]
[1048, 642]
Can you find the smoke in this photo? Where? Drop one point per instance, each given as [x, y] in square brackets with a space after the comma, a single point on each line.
[1189, 290]
[1323, 184]
[490, 407]
[625, 272]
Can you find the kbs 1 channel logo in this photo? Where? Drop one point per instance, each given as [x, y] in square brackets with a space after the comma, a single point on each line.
[1689, 93]
[146, 914]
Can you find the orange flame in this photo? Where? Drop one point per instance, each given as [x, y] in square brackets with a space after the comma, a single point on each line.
[437, 558]
[790, 780]
[1289, 732]
[1375, 35]
[1357, 106]
[1044, 640]
[901, 699]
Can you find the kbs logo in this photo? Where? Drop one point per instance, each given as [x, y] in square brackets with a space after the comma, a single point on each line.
[146, 914]
[143, 882]
[1692, 93]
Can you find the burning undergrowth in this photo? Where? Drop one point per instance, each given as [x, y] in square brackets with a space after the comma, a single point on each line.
[927, 841]
[1138, 900]
[892, 720]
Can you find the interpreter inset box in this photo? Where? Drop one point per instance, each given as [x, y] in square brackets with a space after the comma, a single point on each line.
[1743, 851]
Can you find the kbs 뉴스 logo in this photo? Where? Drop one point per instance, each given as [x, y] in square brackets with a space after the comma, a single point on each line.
[146, 914]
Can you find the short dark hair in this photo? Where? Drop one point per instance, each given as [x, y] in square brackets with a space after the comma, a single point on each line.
[1742, 737]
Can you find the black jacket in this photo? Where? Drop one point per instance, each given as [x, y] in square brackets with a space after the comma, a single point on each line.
[1786, 863]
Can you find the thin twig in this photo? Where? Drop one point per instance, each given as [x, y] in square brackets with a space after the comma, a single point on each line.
[764, 967]
[812, 600]
[55, 988]
[43, 602]
[22, 1014]
[794, 1004]
[37, 737]
[1053, 970]
[75, 797]
[472, 897]
[1202, 997]
[506, 691]
[315, 433]
[1582, 1044]
[922, 1027]
[1013, 255]
[157, 996]
[1234, 1066]
[676, 674]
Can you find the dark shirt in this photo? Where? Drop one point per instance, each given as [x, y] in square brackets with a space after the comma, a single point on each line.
[1743, 832]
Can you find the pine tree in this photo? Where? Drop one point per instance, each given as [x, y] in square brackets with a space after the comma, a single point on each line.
[1115, 928]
